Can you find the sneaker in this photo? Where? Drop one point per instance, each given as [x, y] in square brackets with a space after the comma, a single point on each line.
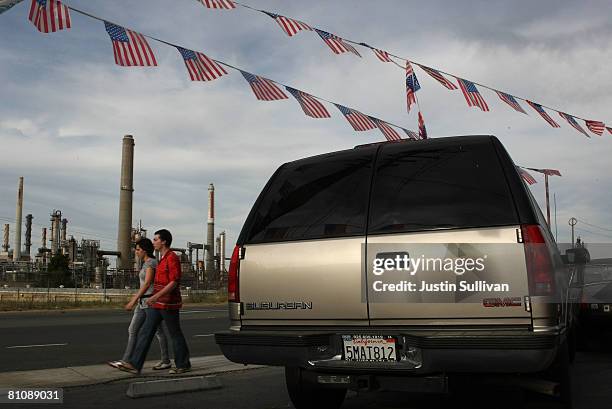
[176, 371]
[162, 365]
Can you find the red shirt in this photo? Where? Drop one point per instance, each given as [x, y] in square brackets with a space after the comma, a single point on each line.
[169, 269]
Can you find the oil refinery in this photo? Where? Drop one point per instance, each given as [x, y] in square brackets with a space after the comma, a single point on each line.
[91, 265]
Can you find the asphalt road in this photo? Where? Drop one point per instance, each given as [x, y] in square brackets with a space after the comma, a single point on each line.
[53, 339]
[264, 389]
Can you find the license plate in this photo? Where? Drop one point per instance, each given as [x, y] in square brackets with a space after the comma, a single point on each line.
[369, 348]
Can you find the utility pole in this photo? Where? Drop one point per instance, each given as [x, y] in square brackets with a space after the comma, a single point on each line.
[572, 222]
[555, 202]
[547, 199]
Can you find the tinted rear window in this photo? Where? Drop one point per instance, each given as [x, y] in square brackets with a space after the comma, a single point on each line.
[439, 186]
[319, 197]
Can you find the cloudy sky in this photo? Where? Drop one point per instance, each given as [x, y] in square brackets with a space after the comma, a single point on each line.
[66, 105]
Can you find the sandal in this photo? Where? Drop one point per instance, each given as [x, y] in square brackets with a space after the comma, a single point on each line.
[125, 368]
[115, 364]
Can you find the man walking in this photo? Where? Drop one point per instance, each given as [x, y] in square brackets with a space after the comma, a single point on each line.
[165, 304]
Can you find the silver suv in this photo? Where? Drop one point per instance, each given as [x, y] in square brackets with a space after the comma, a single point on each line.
[305, 281]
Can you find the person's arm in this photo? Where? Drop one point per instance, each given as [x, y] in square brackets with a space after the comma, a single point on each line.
[168, 288]
[143, 289]
[174, 267]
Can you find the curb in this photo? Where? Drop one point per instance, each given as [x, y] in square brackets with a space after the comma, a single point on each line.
[102, 373]
[168, 386]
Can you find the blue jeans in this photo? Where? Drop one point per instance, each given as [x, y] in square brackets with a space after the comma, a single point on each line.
[138, 319]
[153, 320]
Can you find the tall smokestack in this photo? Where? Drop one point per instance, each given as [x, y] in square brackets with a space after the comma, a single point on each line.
[63, 237]
[44, 238]
[210, 235]
[28, 235]
[64, 228]
[124, 233]
[218, 252]
[222, 254]
[56, 216]
[5, 242]
[18, 221]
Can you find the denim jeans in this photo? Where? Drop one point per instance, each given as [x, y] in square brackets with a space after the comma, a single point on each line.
[154, 318]
[138, 319]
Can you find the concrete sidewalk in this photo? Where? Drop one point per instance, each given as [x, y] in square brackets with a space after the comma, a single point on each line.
[102, 373]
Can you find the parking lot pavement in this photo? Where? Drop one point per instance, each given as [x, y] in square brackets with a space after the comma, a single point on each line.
[265, 389]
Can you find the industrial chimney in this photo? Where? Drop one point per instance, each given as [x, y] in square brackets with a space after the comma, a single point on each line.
[210, 235]
[64, 228]
[28, 235]
[5, 242]
[124, 233]
[44, 238]
[18, 221]
[56, 216]
[222, 254]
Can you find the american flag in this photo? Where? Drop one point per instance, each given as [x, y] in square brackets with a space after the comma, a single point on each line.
[595, 126]
[219, 4]
[7, 4]
[337, 44]
[200, 67]
[289, 25]
[510, 100]
[411, 134]
[412, 85]
[526, 176]
[543, 114]
[439, 77]
[130, 48]
[49, 16]
[310, 105]
[549, 172]
[264, 89]
[358, 121]
[422, 129]
[381, 54]
[572, 121]
[471, 94]
[609, 129]
[390, 133]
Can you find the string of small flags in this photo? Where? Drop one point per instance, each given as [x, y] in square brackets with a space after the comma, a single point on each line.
[131, 49]
[530, 179]
[473, 97]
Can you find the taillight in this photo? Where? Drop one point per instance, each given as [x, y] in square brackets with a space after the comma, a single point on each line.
[539, 264]
[232, 276]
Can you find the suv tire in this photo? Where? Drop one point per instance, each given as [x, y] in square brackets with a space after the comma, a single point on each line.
[308, 395]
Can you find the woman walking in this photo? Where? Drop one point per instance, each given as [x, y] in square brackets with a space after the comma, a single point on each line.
[144, 251]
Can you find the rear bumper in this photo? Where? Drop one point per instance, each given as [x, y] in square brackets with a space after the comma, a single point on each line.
[442, 351]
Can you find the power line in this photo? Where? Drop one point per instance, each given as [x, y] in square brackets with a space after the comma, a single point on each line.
[592, 232]
[593, 225]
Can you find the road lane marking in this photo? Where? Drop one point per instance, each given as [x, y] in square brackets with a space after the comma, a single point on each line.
[36, 345]
[205, 335]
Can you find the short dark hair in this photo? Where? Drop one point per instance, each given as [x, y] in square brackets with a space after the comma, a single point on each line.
[165, 235]
[147, 246]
